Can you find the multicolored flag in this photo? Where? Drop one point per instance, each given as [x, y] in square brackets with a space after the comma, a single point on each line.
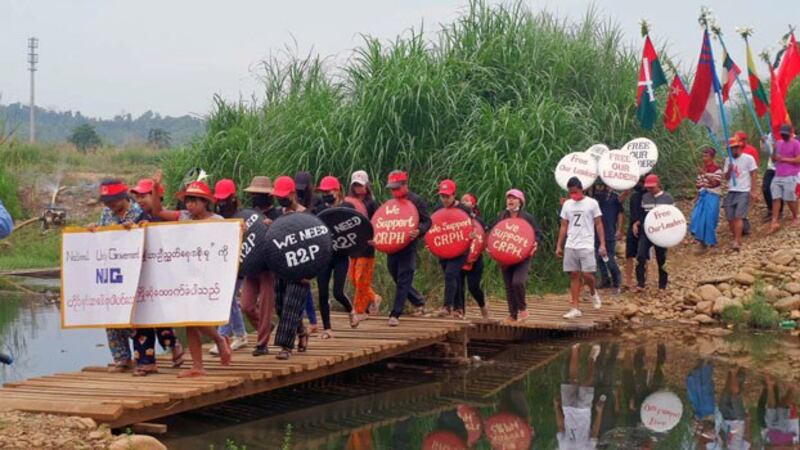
[650, 78]
[729, 74]
[677, 104]
[703, 107]
[756, 88]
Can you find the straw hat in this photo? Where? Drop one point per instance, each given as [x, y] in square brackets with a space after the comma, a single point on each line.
[260, 185]
[196, 189]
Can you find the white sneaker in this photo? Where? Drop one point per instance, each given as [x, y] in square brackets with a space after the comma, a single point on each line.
[394, 321]
[573, 313]
[214, 350]
[596, 300]
[595, 352]
[239, 342]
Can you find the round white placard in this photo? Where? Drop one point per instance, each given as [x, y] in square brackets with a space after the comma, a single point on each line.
[661, 411]
[645, 151]
[577, 164]
[597, 150]
[619, 170]
[665, 226]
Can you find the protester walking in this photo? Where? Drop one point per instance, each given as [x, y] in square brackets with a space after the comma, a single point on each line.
[331, 197]
[362, 263]
[741, 176]
[515, 276]
[705, 215]
[291, 296]
[654, 196]
[635, 214]
[453, 305]
[198, 199]
[768, 149]
[472, 272]
[260, 195]
[403, 264]
[304, 186]
[613, 220]
[580, 217]
[787, 169]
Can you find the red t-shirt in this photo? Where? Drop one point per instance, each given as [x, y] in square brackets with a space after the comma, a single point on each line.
[750, 150]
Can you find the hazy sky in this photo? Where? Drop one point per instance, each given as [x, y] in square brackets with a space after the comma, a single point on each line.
[105, 57]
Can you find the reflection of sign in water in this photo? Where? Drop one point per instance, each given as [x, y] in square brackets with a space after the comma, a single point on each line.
[661, 411]
[508, 431]
[665, 226]
[577, 164]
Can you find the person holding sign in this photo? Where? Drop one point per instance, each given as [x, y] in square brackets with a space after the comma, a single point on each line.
[613, 218]
[119, 209]
[331, 196]
[198, 199]
[6, 223]
[515, 276]
[362, 264]
[453, 303]
[654, 196]
[705, 214]
[580, 216]
[472, 273]
[403, 264]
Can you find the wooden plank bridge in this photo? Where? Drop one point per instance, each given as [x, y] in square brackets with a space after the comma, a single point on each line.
[120, 399]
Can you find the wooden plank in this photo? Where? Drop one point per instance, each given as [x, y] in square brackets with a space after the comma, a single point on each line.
[99, 412]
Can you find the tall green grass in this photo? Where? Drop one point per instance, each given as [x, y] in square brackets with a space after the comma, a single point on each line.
[493, 100]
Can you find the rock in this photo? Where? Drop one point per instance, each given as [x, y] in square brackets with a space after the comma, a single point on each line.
[92, 202]
[716, 279]
[719, 332]
[630, 311]
[708, 292]
[704, 307]
[787, 304]
[86, 423]
[777, 294]
[691, 298]
[688, 314]
[137, 442]
[723, 302]
[744, 278]
[793, 287]
[782, 257]
[97, 435]
[703, 319]
[737, 292]
[723, 286]
[795, 315]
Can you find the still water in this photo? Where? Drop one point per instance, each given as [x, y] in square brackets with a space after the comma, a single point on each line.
[600, 392]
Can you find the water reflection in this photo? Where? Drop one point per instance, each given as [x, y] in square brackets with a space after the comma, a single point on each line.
[31, 333]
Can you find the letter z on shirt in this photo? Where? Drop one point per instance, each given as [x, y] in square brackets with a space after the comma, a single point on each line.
[580, 217]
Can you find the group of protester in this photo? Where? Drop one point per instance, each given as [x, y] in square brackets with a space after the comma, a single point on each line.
[740, 170]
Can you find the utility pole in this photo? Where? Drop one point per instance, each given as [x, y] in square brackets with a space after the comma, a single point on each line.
[33, 58]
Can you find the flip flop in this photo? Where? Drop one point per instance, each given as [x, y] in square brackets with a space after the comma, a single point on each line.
[143, 371]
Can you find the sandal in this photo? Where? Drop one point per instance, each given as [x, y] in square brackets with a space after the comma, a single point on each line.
[326, 334]
[284, 354]
[177, 355]
[121, 366]
[143, 371]
[302, 341]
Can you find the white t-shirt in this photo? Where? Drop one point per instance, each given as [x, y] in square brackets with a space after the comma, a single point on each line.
[577, 430]
[742, 166]
[580, 217]
[736, 438]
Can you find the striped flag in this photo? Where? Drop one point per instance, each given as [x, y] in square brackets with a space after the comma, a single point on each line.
[729, 74]
[760, 100]
[703, 104]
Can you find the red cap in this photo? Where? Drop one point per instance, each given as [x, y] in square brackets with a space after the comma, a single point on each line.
[734, 142]
[283, 186]
[224, 189]
[329, 183]
[447, 187]
[741, 135]
[651, 180]
[196, 189]
[145, 186]
[396, 178]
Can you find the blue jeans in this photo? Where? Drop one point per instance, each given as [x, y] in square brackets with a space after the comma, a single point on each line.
[610, 266]
[235, 325]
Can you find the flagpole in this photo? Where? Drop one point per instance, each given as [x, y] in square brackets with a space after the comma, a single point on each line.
[747, 100]
[711, 134]
[704, 21]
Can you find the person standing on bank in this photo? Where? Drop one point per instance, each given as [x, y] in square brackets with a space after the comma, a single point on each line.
[635, 214]
[453, 303]
[198, 199]
[331, 197]
[654, 196]
[362, 264]
[515, 276]
[403, 264]
[472, 273]
[613, 218]
[741, 176]
[580, 217]
[787, 168]
[291, 296]
[705, 215]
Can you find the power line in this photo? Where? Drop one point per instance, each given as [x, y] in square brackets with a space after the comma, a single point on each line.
[33, 59]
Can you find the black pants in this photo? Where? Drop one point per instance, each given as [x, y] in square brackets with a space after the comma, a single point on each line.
[144, 343]
[402, 266]
[338, 268]
[292, 299]
[641, 262]
[473, 282]
[766, 184]
[452, 281]
[515, 278]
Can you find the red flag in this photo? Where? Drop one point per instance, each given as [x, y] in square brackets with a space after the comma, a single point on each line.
[729, 74]
[702, 105]
[777, 104]
[677, 104]
[790, 65]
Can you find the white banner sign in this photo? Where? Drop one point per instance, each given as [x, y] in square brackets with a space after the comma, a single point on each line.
[188, 273]
[99, 276]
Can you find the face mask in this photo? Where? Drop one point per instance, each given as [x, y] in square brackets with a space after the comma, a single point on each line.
[226, 209]
[301, 195]
[285, 202]
[577, 196]
[329, 198]
[400, 192]
[513, 210]
[262, 201]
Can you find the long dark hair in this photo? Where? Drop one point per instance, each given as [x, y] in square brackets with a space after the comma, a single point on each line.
[308, 192]
[352, 192]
